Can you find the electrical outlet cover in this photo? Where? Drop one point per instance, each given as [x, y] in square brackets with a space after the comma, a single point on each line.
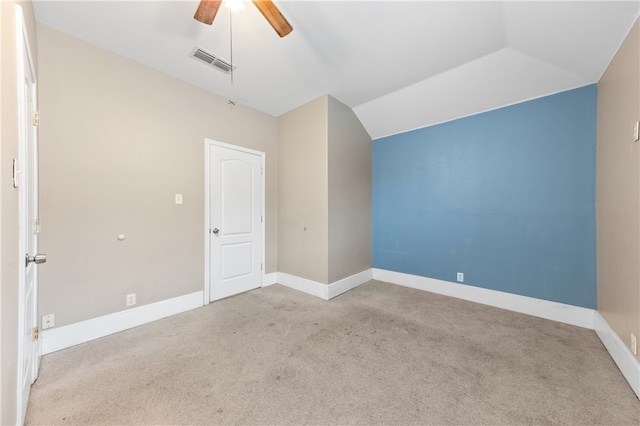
[131, 299]
[48, 321]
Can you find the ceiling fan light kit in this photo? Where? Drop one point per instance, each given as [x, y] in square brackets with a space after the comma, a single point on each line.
[234, 5]
[207, 10]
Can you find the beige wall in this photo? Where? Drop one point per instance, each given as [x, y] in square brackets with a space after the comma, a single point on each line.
[618, 191]
[349, 193]
[118, 140]
[303, 192]
[10, 259]
[324, 192]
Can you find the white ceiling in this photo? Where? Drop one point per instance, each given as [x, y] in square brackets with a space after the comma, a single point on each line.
[400, 65]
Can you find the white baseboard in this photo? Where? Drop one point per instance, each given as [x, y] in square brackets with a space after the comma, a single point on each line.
[324, 291]
[568, 314]
[620, 353]
[55, 339]
[304, 285]
[346, 284]
[270, 279]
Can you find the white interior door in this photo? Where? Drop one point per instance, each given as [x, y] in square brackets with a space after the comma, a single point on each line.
[27, 182]
[236, 232]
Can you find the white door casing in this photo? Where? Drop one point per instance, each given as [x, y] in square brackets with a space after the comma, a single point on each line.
[28, 347]
[234, 216]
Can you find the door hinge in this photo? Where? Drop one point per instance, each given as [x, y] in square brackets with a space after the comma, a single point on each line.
[261, 218]
[261, 266]
[36, 118]
[36, 226]
[36, 333]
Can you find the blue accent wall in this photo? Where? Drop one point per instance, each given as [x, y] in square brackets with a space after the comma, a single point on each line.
[506, 196]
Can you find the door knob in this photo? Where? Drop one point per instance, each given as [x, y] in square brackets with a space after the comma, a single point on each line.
[215, 231]
[37, 259]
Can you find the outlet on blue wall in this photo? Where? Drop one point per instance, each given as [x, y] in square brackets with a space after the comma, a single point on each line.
[507, 197]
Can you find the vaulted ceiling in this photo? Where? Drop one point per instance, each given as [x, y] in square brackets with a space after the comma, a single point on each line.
[399, 65]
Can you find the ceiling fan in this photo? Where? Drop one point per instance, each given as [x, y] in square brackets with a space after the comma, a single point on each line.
[207, 10]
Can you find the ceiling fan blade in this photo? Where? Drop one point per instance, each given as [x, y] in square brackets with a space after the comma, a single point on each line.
[273, 15]
[207, 10]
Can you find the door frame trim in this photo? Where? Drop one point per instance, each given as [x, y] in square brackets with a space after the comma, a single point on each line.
[24, 48]
[207, 213]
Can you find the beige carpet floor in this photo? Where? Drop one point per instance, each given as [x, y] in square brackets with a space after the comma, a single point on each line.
[379, 354]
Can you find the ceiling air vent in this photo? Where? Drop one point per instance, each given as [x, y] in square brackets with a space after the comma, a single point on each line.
[210, 59]
[222, 65]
